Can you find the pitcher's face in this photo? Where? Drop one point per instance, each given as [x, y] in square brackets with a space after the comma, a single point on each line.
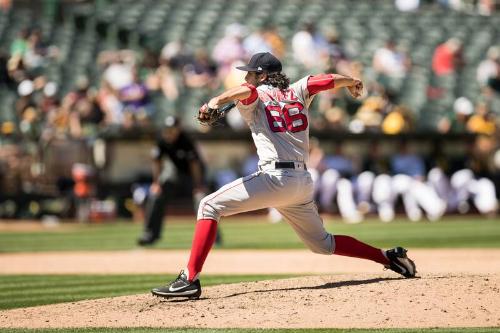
[255, 78]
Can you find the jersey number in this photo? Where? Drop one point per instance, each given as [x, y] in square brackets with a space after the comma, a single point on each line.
[288, 118]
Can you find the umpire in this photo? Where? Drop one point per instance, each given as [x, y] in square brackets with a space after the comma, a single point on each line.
[186, 177]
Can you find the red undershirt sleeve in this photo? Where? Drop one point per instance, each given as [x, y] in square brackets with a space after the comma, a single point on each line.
[320, 82]
[253, 96]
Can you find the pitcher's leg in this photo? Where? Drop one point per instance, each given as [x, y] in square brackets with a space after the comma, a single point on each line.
[244, 194]
[308, 225]
[204, 237]
[256, 191]
[351, 247]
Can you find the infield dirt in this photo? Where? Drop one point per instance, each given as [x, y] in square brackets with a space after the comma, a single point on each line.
[456, 288]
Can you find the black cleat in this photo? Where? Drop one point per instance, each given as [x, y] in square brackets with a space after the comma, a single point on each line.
[147, 240]
[180, 287]
[400, 263]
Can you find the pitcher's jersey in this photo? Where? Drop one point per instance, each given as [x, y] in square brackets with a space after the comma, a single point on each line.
[279, 119]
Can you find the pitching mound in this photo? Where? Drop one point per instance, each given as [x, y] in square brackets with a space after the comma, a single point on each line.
[345, 301]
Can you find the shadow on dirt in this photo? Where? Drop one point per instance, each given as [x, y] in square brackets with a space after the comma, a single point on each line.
[329, 285]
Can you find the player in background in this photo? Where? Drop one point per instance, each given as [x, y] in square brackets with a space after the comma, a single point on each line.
[186, 173]
[277, 115]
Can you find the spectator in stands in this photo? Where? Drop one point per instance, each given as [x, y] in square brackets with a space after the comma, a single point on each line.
[390, 62]
[30, 52]
[338, 60]
[165, 80]
[49, 100]
[486, 7]
[109, 103]
[27, 110]
[202, 72]
[11, 179]
[448, 57]
[117, 68]
[333, 117]
[137, 106]
[494, 82]
[451, 4]
[456, 121]
[5, 6]
[407, 5]
[488, 68]
[309, 47]
[370, 115]
[256, 42]
[398, 120]
[36, 52]
[275, 41]
[5, 79]
[234, 76]
[81, 107]
[16, 70]
[177, 54]
[230, 48]
[19, 45]
[483, 121]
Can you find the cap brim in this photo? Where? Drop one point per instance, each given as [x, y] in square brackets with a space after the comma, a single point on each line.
[247, 69]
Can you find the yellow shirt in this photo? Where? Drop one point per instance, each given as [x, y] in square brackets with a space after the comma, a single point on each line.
[394, 123]
[478, 124]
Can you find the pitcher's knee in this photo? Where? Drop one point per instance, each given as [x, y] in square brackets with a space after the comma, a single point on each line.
[324, 246]
[209, 210]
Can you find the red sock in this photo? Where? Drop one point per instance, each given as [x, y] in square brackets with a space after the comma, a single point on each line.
[203, 239]
[351, 247]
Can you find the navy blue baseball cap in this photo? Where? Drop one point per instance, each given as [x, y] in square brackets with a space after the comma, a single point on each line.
[262, 62]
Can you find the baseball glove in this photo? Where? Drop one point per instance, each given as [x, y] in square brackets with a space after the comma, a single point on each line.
[208, 116]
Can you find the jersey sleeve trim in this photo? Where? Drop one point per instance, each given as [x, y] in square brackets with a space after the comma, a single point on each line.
[320, 82]
[253, 95]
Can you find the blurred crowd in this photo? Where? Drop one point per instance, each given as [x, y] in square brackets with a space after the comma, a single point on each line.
[136, 89]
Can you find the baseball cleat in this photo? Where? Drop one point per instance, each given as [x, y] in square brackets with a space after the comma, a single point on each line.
[400, 263]
[180, 287]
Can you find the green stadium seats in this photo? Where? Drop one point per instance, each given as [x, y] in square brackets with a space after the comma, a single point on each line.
[363, 26]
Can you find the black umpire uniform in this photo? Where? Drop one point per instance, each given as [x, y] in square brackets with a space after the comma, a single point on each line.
[187, 178]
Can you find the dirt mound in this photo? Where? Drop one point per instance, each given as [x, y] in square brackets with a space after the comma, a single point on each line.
[346, 301]
[429, 261]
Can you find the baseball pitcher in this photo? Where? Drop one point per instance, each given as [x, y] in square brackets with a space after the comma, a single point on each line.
[278, 116]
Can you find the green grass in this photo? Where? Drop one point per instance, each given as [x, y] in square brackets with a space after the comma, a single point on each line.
[18, 291]
[234, 330]
[252, 233]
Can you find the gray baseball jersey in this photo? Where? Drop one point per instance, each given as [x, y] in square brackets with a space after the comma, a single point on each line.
[278, 120]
